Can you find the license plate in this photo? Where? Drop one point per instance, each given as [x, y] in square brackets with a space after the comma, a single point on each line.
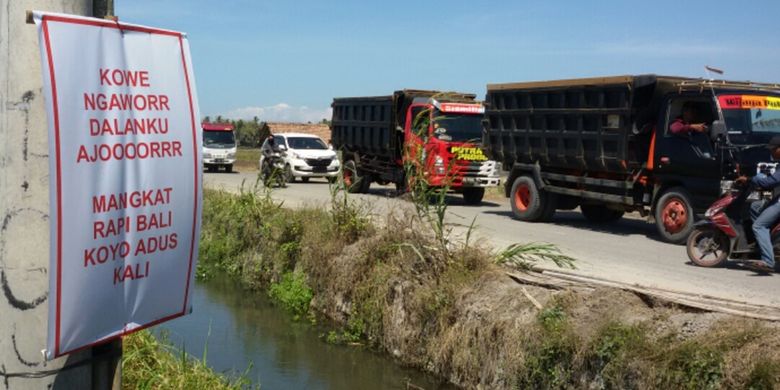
[219, 160]
[320, 169]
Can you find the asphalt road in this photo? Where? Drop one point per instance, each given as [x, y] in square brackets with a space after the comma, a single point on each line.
[628, 251]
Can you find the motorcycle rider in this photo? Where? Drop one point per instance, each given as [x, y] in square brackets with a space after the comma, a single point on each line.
[765, 217]
[270, 151]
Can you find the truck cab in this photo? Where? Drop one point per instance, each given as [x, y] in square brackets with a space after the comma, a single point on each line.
[691, 169]
[219, 146]
[450, 134]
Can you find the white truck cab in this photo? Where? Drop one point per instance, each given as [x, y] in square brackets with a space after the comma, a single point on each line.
[219, 146]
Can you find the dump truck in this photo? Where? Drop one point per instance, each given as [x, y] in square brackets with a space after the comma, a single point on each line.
[376, 134]
[605, 145]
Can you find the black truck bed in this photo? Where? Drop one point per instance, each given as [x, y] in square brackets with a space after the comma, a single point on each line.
[587, 124]
[369, 125]
[365, 124]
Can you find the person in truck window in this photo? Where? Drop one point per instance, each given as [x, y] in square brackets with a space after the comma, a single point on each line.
[685, 123]
[765, 216]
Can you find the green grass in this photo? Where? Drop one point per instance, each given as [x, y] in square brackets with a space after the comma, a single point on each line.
[149, 364]
[247, 157]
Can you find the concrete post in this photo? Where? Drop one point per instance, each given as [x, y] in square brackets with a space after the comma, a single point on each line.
[24, 207]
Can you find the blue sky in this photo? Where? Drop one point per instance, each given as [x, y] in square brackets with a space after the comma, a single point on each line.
[286, 60]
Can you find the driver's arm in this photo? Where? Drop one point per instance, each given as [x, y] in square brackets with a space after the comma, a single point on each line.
[767, 181]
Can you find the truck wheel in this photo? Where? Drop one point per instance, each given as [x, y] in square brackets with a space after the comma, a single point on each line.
[365, 183]
[599, 213]
[352, 181]
[526, 200]
[229, 168]
[550, 201]
[674, 215]
[305, 179]
[473, 196]
[401, 187]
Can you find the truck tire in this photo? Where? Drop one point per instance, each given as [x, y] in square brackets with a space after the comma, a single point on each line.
[550, 201]
[473, 196]
[599, 213]
[401, 187]
[365, 184]
[528, 203]
[674, 216]
[229, 168]
[353, 182]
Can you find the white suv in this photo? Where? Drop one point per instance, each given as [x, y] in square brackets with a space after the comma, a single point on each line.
[305, 156]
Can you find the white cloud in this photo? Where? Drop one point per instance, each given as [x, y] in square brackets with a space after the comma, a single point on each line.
[281, 112]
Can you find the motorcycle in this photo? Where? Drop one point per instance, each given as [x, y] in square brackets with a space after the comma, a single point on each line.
[725, 233]
[273, 169]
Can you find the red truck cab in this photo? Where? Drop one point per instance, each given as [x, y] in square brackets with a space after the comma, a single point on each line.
[450, 135]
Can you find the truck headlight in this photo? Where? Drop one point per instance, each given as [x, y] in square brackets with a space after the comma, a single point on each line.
[231, 155]
[206, 155]
[438, 164]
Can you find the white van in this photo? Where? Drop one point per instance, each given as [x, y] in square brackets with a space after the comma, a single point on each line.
[305, 156]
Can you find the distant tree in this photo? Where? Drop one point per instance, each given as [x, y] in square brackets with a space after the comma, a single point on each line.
[207, 119]
[256, 120]
[325, 121]
[220, 119]
[250, 134]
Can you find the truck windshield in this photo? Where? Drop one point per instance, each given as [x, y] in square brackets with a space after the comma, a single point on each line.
[457, 128]
[751, 114]
[219, 139]
[306, 143]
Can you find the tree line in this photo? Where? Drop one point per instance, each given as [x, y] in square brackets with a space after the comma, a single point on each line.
[250, 134]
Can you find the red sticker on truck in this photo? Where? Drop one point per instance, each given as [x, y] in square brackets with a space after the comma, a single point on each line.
[462, 108]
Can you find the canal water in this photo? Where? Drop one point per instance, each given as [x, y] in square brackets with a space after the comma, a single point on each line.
[243, 332]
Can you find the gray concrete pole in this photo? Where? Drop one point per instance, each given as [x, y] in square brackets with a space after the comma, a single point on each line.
[24, 207]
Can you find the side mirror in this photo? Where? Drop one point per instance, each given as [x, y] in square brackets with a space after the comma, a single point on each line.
[281, 148]
[718, 130]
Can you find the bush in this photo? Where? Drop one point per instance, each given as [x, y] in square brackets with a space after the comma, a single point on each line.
[292, 293]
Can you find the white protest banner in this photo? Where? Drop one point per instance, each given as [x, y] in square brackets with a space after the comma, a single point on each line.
[125, 176]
